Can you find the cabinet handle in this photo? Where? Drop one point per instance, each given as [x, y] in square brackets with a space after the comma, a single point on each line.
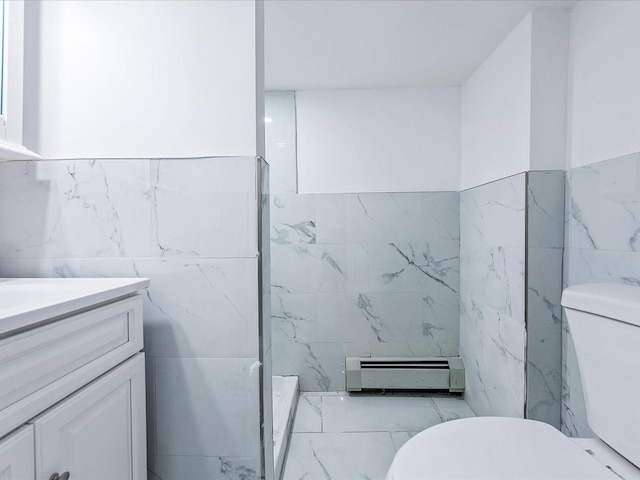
[56, 476]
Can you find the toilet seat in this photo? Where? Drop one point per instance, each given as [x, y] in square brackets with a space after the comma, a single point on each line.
[494, 448]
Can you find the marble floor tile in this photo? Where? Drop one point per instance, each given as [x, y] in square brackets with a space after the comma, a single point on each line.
[356, 437]
[339, 456]
[400, 438]
[451, 408]
[308, 414]
[376, 413]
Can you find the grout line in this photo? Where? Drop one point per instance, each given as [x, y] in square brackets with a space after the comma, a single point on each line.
[321, 414]
[437, 410]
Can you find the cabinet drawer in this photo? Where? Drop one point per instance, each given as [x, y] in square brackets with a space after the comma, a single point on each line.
[34, 359]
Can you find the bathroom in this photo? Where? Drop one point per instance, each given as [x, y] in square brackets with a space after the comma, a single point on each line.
[432, 199]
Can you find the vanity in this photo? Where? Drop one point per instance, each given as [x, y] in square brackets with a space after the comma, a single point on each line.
[72, 388]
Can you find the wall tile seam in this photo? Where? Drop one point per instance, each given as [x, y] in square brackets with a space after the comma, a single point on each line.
[591, 249]
[137, 159]
[385, 192]
[120, 259]
[508, 176]
[526, 352]
[166, 357]
[201, 456]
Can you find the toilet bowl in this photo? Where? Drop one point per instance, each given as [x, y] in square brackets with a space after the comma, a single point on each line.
[500, 448]
[513, 448]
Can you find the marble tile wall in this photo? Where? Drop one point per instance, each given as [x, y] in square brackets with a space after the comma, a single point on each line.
[492, 295]
[511, 250]
[545, 237]
[264, 325]
[602, 244]
[361, 274]
[191, 227]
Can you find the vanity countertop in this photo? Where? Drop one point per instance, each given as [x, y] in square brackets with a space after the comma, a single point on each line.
[29, 301]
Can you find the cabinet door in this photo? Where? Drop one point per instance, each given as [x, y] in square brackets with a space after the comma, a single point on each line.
[17, 460]
[99, 432]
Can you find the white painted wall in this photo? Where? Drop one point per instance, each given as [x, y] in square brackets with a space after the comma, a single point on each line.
[142, 79]
[604, 111]
[514, 105]
[549, 77]
[280, 129]
[378, 140]
[496, 106]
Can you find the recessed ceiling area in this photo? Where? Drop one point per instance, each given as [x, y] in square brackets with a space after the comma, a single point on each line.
[322, 44]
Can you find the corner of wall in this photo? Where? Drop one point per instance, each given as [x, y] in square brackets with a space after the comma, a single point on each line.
[549, 82]
[260, 100]
[495, 115]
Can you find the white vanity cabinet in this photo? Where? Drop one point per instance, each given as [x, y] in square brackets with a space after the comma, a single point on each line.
[97, 433]
[17, 455]
[72, 395]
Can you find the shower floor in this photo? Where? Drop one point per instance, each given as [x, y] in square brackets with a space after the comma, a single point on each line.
[341, 437]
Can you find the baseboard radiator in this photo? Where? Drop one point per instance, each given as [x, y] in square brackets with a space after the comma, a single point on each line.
[443, 374]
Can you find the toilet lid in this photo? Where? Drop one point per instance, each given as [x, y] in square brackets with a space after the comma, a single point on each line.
[494, 448]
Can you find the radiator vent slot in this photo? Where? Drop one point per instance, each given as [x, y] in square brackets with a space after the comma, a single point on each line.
[405, 373]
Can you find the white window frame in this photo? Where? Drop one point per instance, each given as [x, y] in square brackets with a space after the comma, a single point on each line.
[11, 147]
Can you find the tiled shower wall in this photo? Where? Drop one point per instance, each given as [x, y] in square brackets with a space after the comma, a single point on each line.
[191, 227]
[602, 245]
[492, 295]
[545, 236]
[362, 274]
[511, 240]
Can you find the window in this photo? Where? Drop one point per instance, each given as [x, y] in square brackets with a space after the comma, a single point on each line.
[11, 82]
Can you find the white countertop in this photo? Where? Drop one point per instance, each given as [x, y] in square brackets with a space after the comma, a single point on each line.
[28, 301]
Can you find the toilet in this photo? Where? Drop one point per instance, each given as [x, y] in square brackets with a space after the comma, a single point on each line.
[604, 322]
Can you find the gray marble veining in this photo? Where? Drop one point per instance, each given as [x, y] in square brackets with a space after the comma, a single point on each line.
[319, 366]
[510, 259]
[373, 318]
[545, 242]
[418, 267]
[605, 210]
[374, 272]
[493, 214]
[339, 456]
[344, 413]
[345, 437]
[180, 467]
[190, 225]
[195, 308]
[380, 217]
[227, 188]
[492, 297]
[75, 208]
[293, 219]
[544, 335]
[545, 209]
[294, 318]
[308, 414]
[221, 414]
[602, 231]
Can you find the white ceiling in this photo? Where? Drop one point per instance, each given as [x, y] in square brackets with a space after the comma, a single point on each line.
[317, 44]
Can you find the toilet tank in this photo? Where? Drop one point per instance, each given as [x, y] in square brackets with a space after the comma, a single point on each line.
[604, 323]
